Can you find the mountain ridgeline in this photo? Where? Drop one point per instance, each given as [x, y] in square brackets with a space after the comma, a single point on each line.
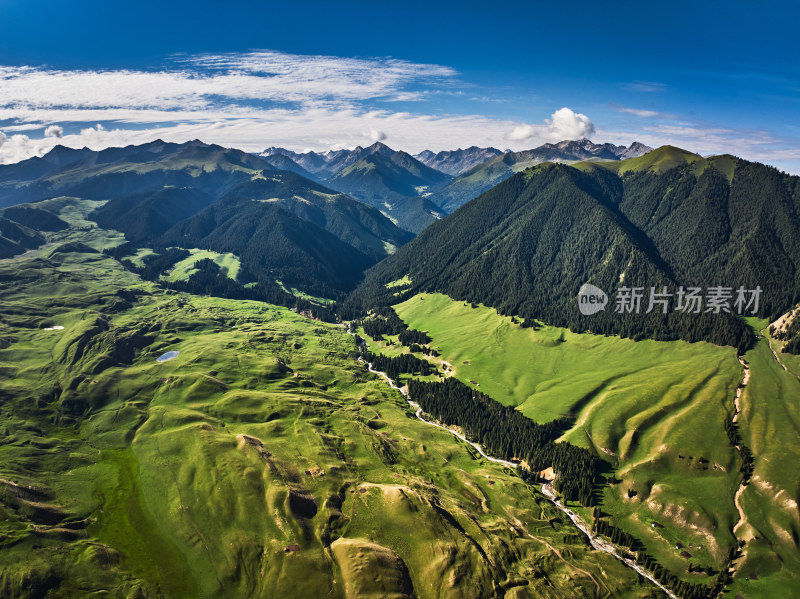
[621, 217]
[455, 162]
[124, 171]
[666, 219]
[394, 182]
[280, 225]
[474, 181]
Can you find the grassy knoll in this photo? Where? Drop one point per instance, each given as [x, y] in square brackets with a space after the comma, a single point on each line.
[228, 263]
[138, 258]
[653, 410]
[263, 461]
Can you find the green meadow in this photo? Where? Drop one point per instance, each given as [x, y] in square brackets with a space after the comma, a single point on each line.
[655, 412]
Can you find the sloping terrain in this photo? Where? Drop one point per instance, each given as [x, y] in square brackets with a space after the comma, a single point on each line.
[716, 221]
[284, 163]
[149, 214]
[394, 182]
[659, 413]
[260, 460]
[273, 243]
[16, 238]
[134, 169]
[318, 239]
[363, 227]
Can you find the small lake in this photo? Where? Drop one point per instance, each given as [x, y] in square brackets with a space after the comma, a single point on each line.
[167, 356]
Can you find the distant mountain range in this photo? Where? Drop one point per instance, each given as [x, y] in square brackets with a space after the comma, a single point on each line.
[455, 162]
[284, 163]
[474, 181]
[441, 182]
[394, 182]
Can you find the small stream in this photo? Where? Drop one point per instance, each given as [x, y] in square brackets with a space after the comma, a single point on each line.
[547, 490]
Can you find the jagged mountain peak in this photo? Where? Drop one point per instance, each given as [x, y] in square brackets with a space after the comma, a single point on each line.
[455, 162]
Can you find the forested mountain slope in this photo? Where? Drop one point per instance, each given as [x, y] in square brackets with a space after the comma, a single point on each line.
[669, 218]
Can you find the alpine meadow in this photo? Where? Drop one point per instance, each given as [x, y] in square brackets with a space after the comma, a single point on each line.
[370, 315]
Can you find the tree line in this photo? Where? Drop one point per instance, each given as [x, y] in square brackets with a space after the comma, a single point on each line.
[505, 432]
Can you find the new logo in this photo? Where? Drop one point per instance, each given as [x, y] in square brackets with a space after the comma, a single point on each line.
[591, 299]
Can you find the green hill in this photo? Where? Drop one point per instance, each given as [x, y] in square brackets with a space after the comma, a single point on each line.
[353, 222]
[658, 161]
[273, 244]
[146, 215]
[16, 238]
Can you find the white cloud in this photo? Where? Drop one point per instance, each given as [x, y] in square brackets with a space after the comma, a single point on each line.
[318, 129]
[202, 81]
[650, 114]
[646, 86]
[521, 133]
[563, 124]
[19, 147]
[566, 124]
[375, 135]
[23, 127]
[258, 99]
[54, 131]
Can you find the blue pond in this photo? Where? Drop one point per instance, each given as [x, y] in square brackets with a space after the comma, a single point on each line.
[167, 356]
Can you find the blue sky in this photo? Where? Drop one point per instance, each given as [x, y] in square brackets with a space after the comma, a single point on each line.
[711, 77]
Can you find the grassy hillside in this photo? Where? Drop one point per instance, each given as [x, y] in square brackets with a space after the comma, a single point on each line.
[228, 263]
[363, 227]
[655, 411]
[274, 243]
[262, 461]
[771, 426]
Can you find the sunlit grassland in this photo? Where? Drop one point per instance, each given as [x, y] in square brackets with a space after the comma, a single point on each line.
[228, 263]
[653, 410]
